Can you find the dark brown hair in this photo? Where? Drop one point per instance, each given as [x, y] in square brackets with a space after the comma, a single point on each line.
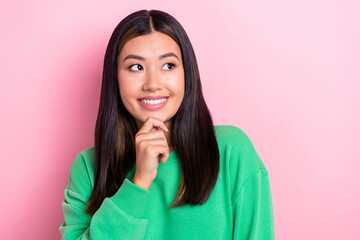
[192, 132]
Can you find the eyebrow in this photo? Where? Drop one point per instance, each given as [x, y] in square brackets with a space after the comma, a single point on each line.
[170, 54]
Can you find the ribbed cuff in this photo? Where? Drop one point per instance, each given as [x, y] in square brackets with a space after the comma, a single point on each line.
[131, 199]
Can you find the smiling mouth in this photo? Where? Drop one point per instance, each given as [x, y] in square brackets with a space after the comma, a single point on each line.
[153, 104]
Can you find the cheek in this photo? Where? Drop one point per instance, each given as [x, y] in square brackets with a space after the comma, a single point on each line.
[122, 89]
[180, 87]
[177, 84]
[125, 92]
[127, 88]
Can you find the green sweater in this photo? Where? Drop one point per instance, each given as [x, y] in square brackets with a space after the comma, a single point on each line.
[240, 206]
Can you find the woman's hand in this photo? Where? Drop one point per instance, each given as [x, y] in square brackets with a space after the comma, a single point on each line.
[151, 148]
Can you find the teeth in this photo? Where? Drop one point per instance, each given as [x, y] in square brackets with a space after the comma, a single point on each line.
[154, 101]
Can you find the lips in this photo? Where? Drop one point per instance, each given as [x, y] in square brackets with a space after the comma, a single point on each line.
[152, 97]
[151, 103]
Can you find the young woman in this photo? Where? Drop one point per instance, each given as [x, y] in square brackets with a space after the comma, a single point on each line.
[160, 169]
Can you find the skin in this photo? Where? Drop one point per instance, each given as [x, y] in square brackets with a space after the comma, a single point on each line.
[151, 77]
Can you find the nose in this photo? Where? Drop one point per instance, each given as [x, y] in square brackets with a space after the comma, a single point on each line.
[153, 81]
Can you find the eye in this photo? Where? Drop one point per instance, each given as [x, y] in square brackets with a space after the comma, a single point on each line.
[139, 67]
[170, 64]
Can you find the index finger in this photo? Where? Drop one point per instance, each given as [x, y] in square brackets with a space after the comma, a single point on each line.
[152, 122]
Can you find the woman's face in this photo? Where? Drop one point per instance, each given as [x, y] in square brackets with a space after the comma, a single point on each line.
[151, 66]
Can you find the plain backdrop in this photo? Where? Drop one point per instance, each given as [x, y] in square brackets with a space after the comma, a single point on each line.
[285, 72]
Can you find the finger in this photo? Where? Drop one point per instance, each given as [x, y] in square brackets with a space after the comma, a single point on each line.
[151, 123]
[157, 142]
[164, 155]
[154, 129]
[163, 158]
[155, 150]
[158, 134]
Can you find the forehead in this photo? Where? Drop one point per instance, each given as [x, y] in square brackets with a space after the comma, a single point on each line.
[150, 45]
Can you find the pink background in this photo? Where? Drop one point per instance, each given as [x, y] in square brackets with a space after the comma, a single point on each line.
[286, 72]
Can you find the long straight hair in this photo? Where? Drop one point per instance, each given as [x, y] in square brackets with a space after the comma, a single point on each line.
[192, 132]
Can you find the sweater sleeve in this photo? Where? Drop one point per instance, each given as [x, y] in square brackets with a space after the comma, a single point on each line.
[119, 217]
[253, 210]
